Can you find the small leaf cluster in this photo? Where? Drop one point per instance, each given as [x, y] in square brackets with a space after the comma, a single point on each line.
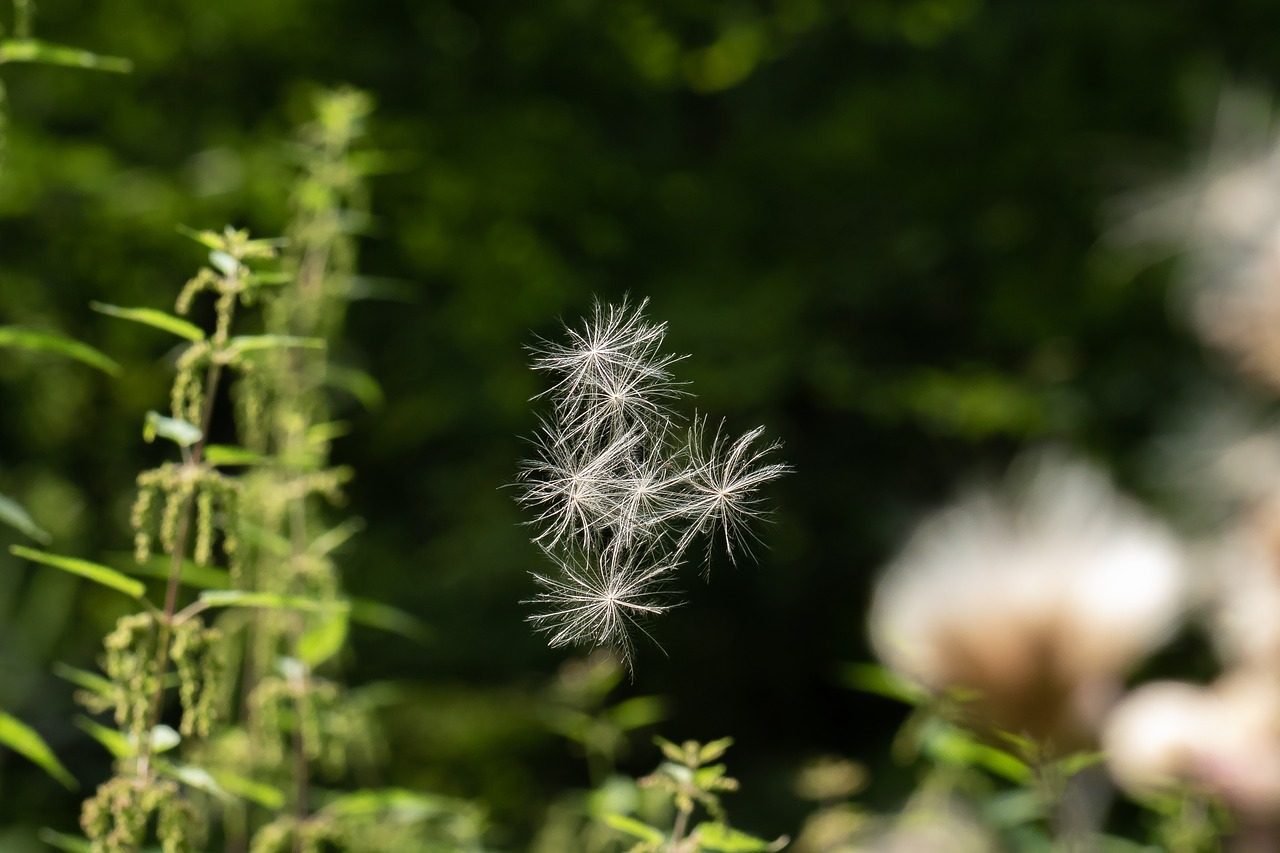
[690, 778]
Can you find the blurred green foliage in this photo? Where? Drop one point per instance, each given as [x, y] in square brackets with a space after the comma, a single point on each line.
[875, 225]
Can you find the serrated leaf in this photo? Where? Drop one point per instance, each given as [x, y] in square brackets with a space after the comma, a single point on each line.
[635, 828]
[153, 318]
[245, 598]
[227, 454]
[41, 341]
[723, 839]
[12, 514]
[23, 740]
[65, 843]
[34, 50]
[85, 569]
[85, 680]
[714, 749]
[180, 432]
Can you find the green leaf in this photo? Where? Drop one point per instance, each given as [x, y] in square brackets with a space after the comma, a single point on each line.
[93, 571]
[227, 454]
[722, 839]
[949, 745]
[193, 574]
[208, 239]
[713, 750]
[23, 740]
[41, 341]
[872, 678]
[399, 803]
[375, 614]
[245, 598]
[85, 680]
[180, 432]
[120, 745]
[670, 750]
[12, 514]
[34, 50]
[261, 793]
[248, 343]
[194, 777]
[151, 317]
[1073, 764]
[635, 828]
[65, 843]
[358, 384]
[117, 743]
[638, 712]
[323, 637]
[226, 264]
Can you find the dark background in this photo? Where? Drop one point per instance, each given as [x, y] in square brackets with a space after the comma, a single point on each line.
[876, 226]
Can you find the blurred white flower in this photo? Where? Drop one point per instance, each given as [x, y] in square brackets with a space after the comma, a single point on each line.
[1226, 216]
[1039, 598]
[1224, 739]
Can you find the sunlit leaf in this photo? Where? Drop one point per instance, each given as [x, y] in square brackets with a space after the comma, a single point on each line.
[34, 50]
[85, 569]
[261, 793]
[249, 343]
[225, 264]
[194, 777]
[42, 341]
[23, 740]
[872, 678]
[635, 828]
[245, 598]
[180, 432]
[638, 712]
[227, 454]
[723, 839]
[151, 317]
[714, 749]
[12, 514]
[323, 637]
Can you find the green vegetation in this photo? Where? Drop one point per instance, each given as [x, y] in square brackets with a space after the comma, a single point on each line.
[269, 293]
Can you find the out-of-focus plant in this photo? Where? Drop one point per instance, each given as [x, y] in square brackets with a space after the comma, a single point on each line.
[257, 724]
[691, 783]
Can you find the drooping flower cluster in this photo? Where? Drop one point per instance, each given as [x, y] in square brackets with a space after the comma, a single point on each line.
[623, 490]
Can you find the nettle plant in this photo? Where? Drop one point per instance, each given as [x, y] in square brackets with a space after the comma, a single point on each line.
[259, 720]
